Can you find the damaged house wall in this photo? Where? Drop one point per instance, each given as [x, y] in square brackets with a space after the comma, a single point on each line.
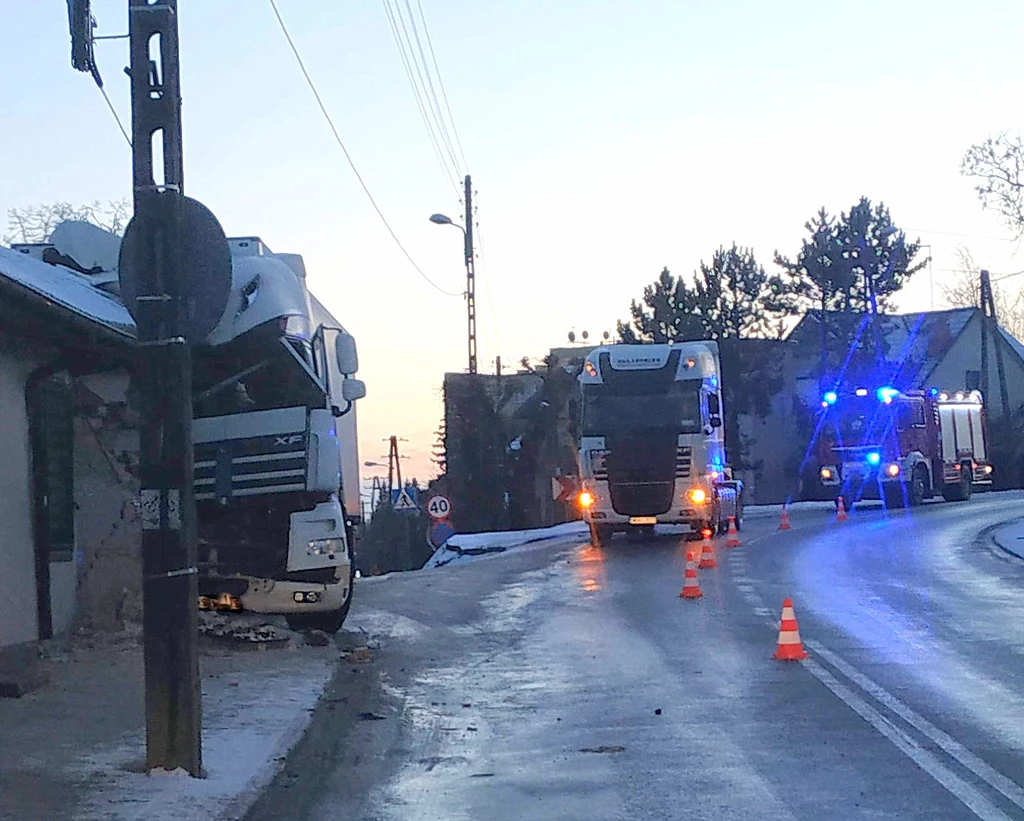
[107, 525]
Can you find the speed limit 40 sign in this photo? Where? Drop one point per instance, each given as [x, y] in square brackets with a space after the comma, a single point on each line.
[439, 507]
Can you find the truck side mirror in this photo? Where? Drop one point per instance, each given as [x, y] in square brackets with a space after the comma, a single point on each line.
[345, 353]
[353, 389]
[714, 411]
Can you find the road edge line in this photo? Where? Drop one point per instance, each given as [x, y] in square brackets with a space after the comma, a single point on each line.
[956, 750]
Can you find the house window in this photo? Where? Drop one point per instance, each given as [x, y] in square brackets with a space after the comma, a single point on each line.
[53, 464]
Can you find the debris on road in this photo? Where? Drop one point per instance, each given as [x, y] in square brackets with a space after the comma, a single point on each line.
[371, 717]
[604, 748]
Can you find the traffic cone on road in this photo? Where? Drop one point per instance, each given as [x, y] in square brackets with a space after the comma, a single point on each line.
[841, 510]
[691, 587]
[707, 555]
[733, 538]
[784, 521]
[789, 647]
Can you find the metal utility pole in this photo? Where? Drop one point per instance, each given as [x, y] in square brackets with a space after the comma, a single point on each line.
[470, 277]
[170, 590]
[990, 330]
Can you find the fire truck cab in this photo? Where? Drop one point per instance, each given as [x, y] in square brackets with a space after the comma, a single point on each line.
[902, 447]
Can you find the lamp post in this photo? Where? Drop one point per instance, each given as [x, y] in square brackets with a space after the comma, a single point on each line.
[467, 234]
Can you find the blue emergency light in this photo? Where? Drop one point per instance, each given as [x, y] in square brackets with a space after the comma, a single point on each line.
[830, 398]
[887, 394]
[874, 457]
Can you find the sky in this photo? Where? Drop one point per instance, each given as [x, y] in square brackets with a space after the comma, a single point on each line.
[606, 141]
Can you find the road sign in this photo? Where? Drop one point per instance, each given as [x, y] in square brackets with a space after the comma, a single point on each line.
[439, 507]
[205, 263]
[410, 491]
[403, 501]
[440, 532]
[563, 488]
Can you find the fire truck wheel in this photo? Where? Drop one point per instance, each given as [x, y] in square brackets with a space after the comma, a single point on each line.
[918, 486]
[959, 492]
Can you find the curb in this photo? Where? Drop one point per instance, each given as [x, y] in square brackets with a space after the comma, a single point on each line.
[989, 534]
[240, 806]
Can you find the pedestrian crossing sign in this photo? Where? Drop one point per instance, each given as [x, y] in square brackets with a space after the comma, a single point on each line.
[404, 501]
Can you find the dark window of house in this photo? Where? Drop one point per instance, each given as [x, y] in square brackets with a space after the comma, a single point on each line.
[53, 459]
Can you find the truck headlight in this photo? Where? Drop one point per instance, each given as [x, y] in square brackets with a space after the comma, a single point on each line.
[893, 470]
[324, 547]
[697, 495]
[826, 473]
[586, 498]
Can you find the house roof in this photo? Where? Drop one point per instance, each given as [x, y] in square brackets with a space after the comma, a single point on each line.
[73, 295]
[917, 342]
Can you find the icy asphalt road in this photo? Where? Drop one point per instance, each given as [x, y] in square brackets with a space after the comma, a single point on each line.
[572, 682]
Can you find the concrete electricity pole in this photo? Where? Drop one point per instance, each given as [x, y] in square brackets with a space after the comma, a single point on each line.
[470, 277]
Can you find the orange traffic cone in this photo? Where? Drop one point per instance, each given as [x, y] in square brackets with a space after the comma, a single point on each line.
[841, 510]
[707, 555]
[691, 587]
[733, 537]
[784, 521]
[789, 648]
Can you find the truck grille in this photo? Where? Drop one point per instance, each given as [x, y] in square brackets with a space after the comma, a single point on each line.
[641, 474]
[642, 498]
[684, 462]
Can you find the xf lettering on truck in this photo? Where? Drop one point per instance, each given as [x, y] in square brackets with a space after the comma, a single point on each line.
[286, 441]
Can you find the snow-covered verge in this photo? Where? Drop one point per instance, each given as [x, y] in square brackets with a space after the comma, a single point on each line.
[251, 720]
[1010, 537]
[462, 546]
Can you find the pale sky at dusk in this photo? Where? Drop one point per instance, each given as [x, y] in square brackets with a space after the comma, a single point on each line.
[606, 140]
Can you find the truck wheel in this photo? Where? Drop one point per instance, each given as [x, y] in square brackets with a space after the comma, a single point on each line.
[918, 487]
[960, 491]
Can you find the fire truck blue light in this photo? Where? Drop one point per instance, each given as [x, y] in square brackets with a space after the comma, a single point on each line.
[830, 398]
[874, 457]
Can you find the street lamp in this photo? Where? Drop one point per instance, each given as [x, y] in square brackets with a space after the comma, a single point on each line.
[467, 236]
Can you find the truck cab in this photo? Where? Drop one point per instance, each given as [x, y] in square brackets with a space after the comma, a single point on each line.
[652, 449]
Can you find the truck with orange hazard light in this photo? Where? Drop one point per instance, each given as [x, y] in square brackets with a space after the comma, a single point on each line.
[902, 447]
[652, 444]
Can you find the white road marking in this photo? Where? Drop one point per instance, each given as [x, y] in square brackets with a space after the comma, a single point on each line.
[991, 776]
[954, 784]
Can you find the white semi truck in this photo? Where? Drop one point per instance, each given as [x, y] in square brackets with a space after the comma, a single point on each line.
[276, 460]
[652, 446]
[274, 431]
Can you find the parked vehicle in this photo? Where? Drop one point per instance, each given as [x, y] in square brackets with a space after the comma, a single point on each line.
[902, 447]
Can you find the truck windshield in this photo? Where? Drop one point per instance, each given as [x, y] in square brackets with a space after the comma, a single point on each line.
[606, 411]
[860, 422]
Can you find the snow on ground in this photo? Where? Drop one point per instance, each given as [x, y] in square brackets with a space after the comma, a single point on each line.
[251, 720]
[1010, 537]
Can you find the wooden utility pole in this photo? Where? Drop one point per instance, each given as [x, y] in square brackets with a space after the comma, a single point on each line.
[167, 497]
[470, 277]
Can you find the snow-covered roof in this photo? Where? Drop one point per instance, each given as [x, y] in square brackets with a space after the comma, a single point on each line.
[68, 289]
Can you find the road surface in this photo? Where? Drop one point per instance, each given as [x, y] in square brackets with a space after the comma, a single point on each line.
[572, 682]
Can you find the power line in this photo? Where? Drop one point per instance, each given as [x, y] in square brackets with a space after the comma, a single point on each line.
[430, 85]
[348, 157]
[446, 171]
[440, 82]
[117, 119]
[434, 123]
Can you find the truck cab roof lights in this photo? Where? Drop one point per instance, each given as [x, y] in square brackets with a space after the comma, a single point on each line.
[589, 368]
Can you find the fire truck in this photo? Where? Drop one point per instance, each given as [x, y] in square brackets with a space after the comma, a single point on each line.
[902, 447]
